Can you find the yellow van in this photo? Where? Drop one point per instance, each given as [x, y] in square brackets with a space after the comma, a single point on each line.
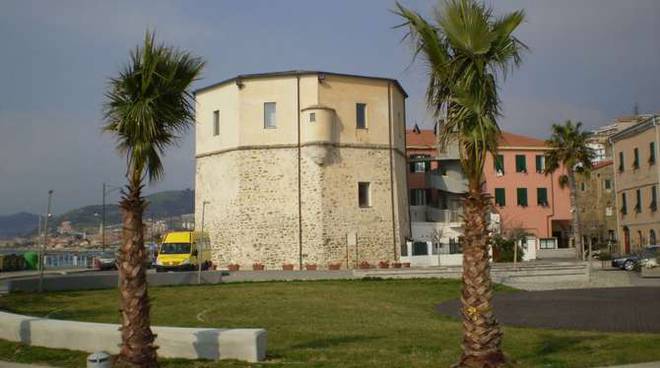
[183, 251]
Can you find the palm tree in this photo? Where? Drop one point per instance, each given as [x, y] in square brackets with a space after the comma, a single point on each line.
[148, 107]
[467, 51]
[569, 149]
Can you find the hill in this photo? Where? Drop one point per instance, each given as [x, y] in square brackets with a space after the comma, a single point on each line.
[18, 224]
[161, 205]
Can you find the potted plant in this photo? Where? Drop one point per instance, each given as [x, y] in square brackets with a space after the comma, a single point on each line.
[287, 267]
[383, 264]
[364, 265]
[396, 265]
[406, 264]
[334, 266]
[258, 266]
[310, 266]
[233, 267]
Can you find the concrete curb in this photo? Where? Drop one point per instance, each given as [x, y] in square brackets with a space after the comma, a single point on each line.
[248, 344]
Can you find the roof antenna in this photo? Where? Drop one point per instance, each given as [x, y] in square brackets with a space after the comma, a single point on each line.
[636, 109]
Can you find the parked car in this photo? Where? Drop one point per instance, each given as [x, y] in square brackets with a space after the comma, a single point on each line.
[105, 261]
[629, 262]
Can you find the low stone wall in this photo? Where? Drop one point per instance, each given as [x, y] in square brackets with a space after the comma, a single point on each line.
[174, 342]
[93, 280]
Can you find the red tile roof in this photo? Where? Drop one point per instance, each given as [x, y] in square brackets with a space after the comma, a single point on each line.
[600, 164]
[425, 137]
[516, 140]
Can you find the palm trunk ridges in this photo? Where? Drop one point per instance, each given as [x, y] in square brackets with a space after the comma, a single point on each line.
[577, 234]
[482, 337]
[138, 349]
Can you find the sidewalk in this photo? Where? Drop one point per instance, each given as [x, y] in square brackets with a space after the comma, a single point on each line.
[29, 273]
[17, 365]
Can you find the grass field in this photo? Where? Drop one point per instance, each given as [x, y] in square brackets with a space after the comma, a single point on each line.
[360, 323]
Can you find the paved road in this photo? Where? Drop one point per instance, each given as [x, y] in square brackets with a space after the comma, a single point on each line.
[628, 309]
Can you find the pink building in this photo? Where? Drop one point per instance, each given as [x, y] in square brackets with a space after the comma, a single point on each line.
[526, 198]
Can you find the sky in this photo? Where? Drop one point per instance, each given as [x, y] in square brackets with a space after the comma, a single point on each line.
[589, 60]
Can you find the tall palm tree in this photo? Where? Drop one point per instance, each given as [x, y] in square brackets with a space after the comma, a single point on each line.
[468, 50]
[569, 149]
[148, 107]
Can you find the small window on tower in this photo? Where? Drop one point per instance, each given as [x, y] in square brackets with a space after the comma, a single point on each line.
[312, 117]
[364, 195]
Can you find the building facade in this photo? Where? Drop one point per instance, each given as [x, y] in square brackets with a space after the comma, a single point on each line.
[302, 167]
[596, 203]
[636, 180]
[525, 198]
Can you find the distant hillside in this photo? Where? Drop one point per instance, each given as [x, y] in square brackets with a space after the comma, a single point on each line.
[18, 224]
[161, 205]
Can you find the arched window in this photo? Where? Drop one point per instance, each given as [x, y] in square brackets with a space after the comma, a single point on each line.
[652, 237]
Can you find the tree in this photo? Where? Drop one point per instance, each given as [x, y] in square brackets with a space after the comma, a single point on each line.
[468, 51]
[568, 149]
[148, 107]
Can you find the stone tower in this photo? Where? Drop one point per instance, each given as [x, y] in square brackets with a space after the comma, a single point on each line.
[302, 167]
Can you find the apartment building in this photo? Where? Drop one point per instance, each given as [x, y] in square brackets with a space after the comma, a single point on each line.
[302, 167]
[636, 181]
[525, 198]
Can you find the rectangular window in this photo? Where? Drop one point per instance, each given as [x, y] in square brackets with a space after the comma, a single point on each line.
[548, 243]
[540, 164]
[270, 114]
[499, 164]
[364, 195]
[420, 249]
[607, 183]
[312, 117]
[522, 197]
[621, 164]
[636, 162]
[542, 197]
[651, 153]
[500, 197]
[417, 197]
[624, 204]
[361, 115]
[216, 122]
[582, 186]
[419, 163]
[521, 164]
[654, 197]
[608, 211]
[638, 205]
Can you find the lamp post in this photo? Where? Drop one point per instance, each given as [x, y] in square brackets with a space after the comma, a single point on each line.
[43, 246]
[199, 250]
[107, 188]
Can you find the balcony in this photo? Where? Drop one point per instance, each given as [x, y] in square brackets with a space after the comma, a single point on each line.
[447, 183]
[432, 214]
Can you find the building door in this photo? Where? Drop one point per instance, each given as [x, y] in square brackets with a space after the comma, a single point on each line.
[626, 240]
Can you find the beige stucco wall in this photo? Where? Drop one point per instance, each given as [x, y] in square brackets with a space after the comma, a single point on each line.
[629, 180]
[251, 177]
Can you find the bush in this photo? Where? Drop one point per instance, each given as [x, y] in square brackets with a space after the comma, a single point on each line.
[503, 249]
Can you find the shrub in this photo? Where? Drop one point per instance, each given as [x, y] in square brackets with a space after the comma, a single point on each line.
[503, 249]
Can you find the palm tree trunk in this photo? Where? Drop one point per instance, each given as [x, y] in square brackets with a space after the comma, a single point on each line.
[482, 338]
[577, 234]
[137, 349]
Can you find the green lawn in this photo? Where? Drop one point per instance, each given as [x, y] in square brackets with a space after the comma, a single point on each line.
[361, 323]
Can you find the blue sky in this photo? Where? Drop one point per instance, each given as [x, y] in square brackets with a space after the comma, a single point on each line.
[590, 60]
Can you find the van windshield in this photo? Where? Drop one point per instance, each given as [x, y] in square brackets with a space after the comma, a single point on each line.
[175, 248]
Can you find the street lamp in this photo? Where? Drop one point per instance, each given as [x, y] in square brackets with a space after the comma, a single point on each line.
[107, 188]
[199, 250]
[43, 246]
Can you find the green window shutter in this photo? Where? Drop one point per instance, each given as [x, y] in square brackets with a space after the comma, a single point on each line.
[542, 196]
[540, 163]
[522, 197]
[521, 163]
[652, 153]
[624, 205]
[621, 164]
[636, 162]
[499, 163]
[500, 197]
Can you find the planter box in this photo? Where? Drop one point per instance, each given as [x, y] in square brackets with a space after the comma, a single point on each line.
[406, 264]
[651, 272]
[258, 267]
[396, 265]
[334, 266]
[311, 267]
[287, 267]
[364, 266]
[383, 265]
